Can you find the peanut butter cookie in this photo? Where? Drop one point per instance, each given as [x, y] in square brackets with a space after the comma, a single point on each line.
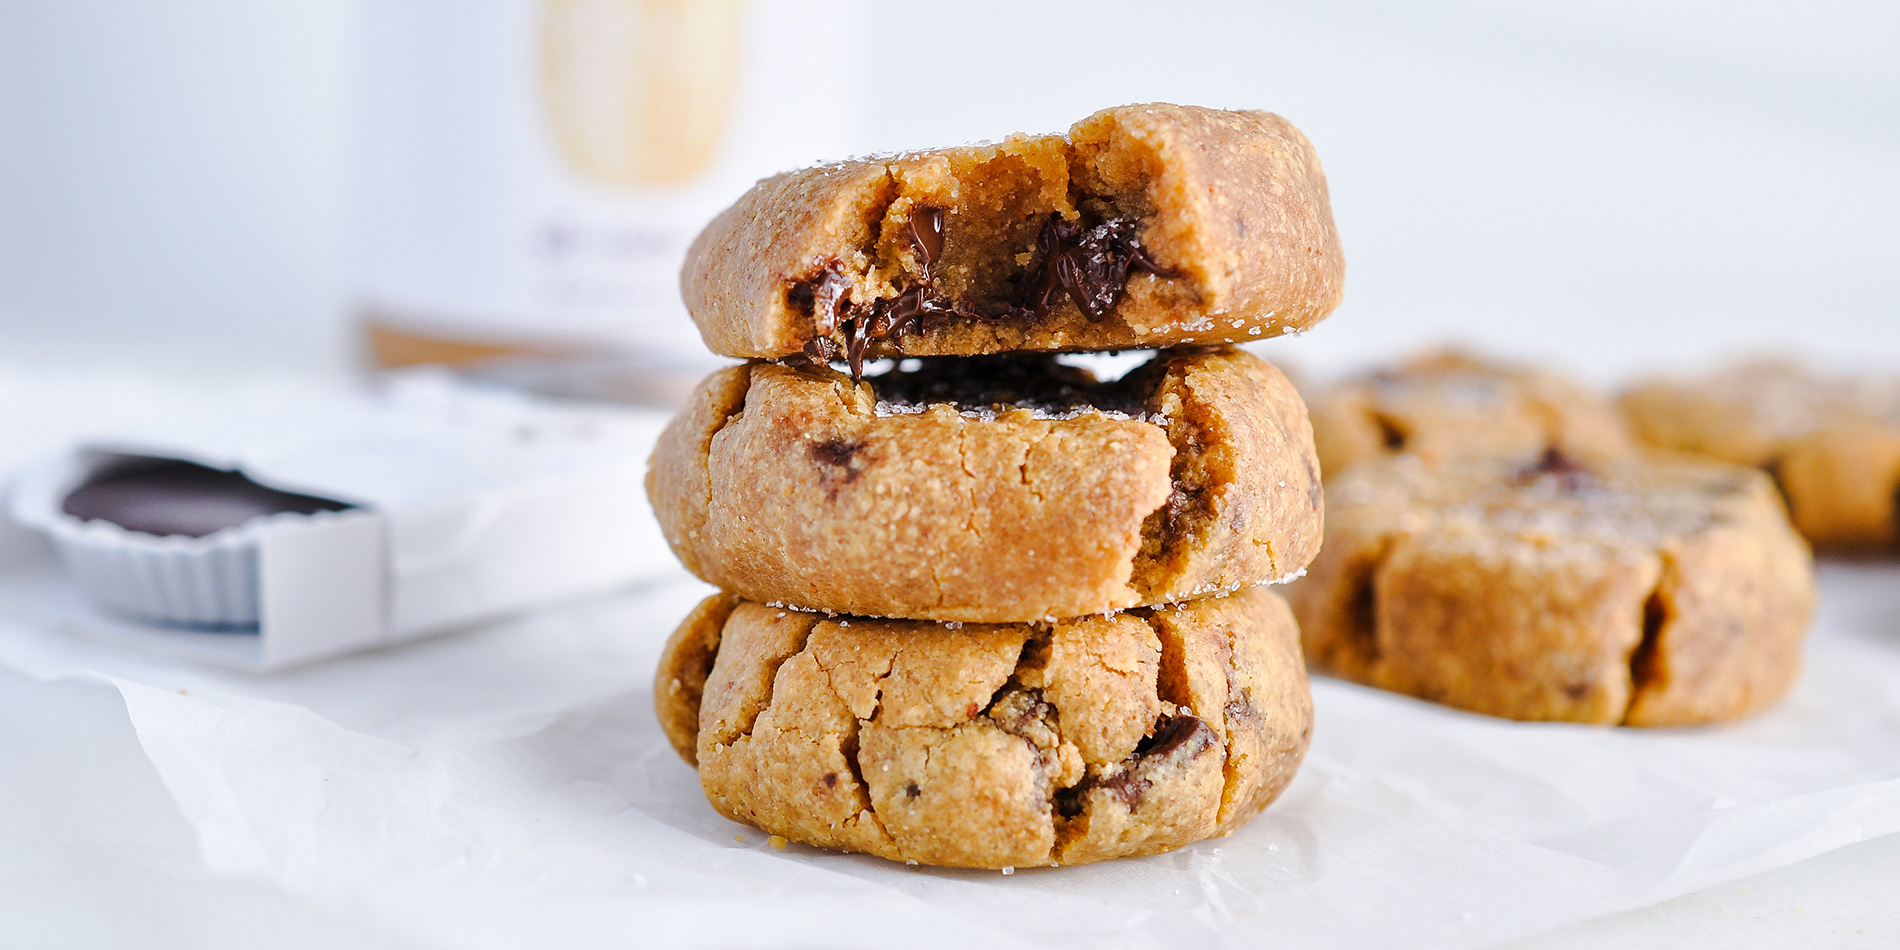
[1646, 591]
[1452, 405]
[1833, 444]
[991, 745]
[991, 489]
[1145, 226]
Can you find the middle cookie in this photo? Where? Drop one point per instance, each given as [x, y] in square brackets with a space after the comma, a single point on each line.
[991, 489]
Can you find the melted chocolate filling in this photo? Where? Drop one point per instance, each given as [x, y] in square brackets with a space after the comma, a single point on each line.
[1088, 264]
[1004, 381]
[168, 497]
[1571, 475]
[1182, 737]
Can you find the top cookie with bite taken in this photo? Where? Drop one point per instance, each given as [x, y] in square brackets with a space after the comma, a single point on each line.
[1145, 226]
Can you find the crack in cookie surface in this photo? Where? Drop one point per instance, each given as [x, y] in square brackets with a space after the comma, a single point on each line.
[1246, 505]
[686, 662]
[1645, 661]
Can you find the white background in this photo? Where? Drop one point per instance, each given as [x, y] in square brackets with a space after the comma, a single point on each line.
[1612, 186]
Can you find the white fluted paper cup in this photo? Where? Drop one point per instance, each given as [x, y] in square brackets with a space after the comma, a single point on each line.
[207, 583]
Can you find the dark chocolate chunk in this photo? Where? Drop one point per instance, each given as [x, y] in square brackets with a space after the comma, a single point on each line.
[1390, 434]
[1127, 785]
[1571, 475]
[169, 497]
[838, 463]
[1177, 738]
[1191, 733]
[1090, 264]
[836, 452]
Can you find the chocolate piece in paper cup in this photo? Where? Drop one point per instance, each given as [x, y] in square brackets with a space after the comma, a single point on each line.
[470, 504]
[161, 540]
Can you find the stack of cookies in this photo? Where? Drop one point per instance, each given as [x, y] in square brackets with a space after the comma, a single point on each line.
[981, 607]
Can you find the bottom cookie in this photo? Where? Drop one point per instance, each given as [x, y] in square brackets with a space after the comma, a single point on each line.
[990, 745]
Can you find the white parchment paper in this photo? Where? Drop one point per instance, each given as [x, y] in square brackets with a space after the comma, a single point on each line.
[509, 786]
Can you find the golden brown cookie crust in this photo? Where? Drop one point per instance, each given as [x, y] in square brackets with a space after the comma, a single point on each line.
[1450, 405]
[1646, 590]
[791, 484]
[1832, 443]
[685, 663]
[1231, 207]
[995, 745]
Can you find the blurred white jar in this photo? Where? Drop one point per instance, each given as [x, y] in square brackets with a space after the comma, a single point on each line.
[532, 171]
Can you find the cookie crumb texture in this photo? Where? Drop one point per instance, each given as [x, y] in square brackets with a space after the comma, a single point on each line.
[1831, 443]
[1193, 475]
[1451, 405]
[1145, 226]
[1645, 591]
[996, 746]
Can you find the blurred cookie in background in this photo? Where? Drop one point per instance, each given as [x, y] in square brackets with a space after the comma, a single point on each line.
[1450, 404]
[1831, 442]
[1647, 590]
